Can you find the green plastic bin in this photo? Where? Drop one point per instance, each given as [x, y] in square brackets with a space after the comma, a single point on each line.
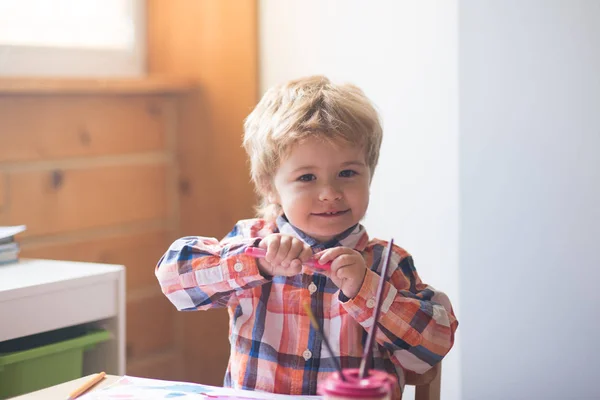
[39, 361]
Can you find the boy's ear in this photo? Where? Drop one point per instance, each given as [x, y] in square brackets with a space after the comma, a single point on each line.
[273, 197]
[270, 192]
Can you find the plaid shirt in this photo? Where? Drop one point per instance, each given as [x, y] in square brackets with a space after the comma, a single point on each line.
[273, 346]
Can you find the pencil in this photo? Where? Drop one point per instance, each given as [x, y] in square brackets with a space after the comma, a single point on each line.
[86, 386]
[316, 327]
[364, 369]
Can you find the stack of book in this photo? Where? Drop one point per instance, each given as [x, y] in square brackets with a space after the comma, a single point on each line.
[9, 248]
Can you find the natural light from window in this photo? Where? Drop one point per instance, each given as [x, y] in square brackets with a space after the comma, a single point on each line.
[71, 37]
[105, 24]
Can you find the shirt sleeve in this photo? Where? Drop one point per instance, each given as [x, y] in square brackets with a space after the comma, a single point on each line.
[199, 273]
[416, 322]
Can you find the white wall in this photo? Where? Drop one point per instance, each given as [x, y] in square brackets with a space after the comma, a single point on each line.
[529, 177]
[530, 198]
[404, 56]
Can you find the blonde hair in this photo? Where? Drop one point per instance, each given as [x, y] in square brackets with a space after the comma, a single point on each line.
[303, 108]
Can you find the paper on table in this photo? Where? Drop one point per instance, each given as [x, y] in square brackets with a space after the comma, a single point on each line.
[132, 388]
[8, 231]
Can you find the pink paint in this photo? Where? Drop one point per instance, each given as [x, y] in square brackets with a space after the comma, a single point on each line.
[261, 253]
[378, 385]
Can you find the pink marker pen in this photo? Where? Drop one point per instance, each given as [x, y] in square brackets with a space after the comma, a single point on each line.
[261, 253]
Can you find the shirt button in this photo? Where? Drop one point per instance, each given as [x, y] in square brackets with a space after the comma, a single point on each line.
[371, 303]
[238, 267]
[307, 355]
[312, 288]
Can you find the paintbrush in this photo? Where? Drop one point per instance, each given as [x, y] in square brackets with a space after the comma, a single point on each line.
[316, 327]
[364, 369]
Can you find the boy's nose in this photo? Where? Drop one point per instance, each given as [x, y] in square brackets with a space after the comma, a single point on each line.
[330, 193]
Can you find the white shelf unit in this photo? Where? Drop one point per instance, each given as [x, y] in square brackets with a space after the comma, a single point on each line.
[42, 295]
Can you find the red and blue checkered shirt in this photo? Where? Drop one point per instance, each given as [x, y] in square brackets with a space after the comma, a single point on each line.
[273, 346]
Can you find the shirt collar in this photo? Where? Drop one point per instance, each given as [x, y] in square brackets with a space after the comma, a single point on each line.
[355, 237]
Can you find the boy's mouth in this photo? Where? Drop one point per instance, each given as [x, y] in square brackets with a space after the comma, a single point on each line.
[331, 213]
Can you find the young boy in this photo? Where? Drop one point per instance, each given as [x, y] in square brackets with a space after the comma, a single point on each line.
[313, 148]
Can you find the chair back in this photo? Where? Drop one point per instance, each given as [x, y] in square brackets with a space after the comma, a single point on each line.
[427, 385]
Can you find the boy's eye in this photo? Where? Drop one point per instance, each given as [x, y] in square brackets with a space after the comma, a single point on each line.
[347, 173]
[307, 178]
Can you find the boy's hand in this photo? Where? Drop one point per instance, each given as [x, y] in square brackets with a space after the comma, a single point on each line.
[285, 255]
[348, 268]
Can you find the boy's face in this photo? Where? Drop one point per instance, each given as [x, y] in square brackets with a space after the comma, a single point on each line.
[323, 187]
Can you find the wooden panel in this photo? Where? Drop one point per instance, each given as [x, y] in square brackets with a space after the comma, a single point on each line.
[4, 199]
[3, 193]
[151, 325]
[124, 86]
[138, 252]
[166, 367]
[214, 353]
[86, 198]
[214, 42]
[51, 127]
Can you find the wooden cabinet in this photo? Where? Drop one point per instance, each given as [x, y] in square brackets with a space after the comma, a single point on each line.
[91, 168]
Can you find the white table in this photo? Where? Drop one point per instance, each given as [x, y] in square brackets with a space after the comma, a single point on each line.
[62, 391]
[41, 295]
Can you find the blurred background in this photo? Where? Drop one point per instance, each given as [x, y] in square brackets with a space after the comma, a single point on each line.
[121, 124]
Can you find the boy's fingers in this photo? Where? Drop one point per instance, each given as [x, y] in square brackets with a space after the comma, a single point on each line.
[285, 244]
[266, 266]
[295, 266]
[343, 272]
[344, 260]
[295, 250]
[306, 253]
[331, 254]
[272, 249]
[323, 256]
